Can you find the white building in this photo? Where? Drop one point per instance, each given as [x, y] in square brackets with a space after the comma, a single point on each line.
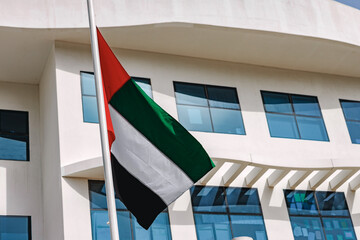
[291, 138]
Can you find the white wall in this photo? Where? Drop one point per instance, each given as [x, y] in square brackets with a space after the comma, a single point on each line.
[50, 154]
[80, 141]
[20, 181]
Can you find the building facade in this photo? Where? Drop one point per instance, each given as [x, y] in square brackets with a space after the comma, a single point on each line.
[269, 88]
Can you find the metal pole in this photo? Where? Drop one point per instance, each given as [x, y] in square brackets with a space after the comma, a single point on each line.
[109, 185]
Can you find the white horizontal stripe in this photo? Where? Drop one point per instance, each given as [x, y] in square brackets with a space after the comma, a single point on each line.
[145, 162]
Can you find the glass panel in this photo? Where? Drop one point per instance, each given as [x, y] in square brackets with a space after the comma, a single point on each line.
[227, 121]
[90, 110]
[159, 229]
[277, 102]
[306, 228]
[338, 228]
[145, 85]
[352, 3]
[305, 105]
[101, 229]
[191, 94]
[208, 199]
[13, 147]
[212, 227]
[14, 122]
[223, 97]
[195, 118]
[251, 226]
[14, 228]
[301, 202]
[354, 131]
[243, 200]
[98, 196]
[282, 126]
[332, 204]
[88, 84]
[312, 128]
[351, 110]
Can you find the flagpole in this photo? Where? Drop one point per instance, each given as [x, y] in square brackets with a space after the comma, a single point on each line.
[109, 184]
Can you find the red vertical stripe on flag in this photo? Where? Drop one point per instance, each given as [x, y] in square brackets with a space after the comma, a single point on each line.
[114, 77]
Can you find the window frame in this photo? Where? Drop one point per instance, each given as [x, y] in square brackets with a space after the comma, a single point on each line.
[19, 135]
[132, 227]
[350, 120]
[319, 215]
[29, 223]
[291, 102]
[205, 86]
[227, 209]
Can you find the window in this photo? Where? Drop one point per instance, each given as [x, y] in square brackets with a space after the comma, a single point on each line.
[15, 227]
[128, 226]
[88, 92]
[14, 135]
[351, 110]
[208, 108]
[224, 213]
[319, 215]
[294, 116]
[351, 3]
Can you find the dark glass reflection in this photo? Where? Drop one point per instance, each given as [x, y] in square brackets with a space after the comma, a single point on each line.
[222, 97]
[243, 200]
[15, 228]
[14, 135]
[332, 204]
[208, 199]
[301, 202]
[190, 94]
[306, 105]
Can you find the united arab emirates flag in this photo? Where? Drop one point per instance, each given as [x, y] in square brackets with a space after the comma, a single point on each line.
[154, 159]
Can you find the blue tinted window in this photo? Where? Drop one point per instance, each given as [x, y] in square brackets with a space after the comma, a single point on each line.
[227, 121]
[354, 130]
[224, 213]
[223, 97]
[277, 102]
[351, 3]
[305, 105]
[88, 91]
[339, 228]
[90, 109]
[145, 85]
[305, 228]
[319, 215]
[301, 202]
[14, 135]
[282, 126]
[312, 128]
[208, 199]
[15, 228]
[250, 226]
[195, 118]
[243, 200]
[159, 230]
[332, 204]
[128, 226]
[208, 108]
[351, 111]
[294, 116]
[212, 226]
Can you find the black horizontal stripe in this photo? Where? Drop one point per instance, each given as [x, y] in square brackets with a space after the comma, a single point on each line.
[141, 201]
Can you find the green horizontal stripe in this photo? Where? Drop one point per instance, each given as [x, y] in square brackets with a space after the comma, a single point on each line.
[162, 130]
